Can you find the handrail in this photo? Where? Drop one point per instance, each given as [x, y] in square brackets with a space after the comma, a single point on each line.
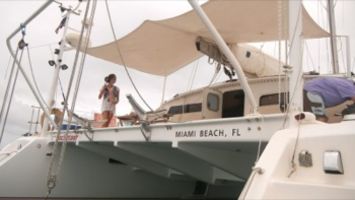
[8, 43]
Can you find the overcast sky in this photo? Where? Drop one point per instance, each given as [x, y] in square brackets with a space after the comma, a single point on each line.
[127, 16]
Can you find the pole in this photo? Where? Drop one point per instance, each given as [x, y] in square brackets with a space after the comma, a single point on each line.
[295, 56]
[227, 52]
[348, 56]
[164, 90]
[55, 79]
[333, 37]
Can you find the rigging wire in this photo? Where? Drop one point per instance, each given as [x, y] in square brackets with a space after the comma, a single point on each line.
[310, 55]
[13, 89]
[218, 77]
[43, 45]
[10, 99]
[7, 89]
[34, 78]
[7, 67]
[293, 164]
[193, 75]
[121, 56]
[217, 70]
[342, 52]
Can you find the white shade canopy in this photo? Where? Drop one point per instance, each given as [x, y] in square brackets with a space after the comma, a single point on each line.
[162, 47]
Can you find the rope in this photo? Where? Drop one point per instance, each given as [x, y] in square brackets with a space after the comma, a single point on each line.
[121, 56]
[293, 164]
[10, 100]
[259, 142]
[193, 75]
[34, 78]
[255, 170]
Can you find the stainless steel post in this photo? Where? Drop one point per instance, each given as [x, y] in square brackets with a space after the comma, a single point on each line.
[226, 51]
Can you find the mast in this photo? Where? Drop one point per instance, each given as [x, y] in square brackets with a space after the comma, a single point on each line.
[55, 79]
[333, 38]
[295, 56]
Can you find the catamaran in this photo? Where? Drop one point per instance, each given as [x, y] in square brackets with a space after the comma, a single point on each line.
[246, 137]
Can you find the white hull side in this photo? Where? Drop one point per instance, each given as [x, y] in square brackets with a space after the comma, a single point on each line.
[84, 174]
[278, 180]
[219, 153]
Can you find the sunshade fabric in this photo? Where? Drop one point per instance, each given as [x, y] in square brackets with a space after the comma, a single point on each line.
[163, 47]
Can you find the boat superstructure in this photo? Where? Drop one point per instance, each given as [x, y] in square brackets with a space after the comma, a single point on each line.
[207, 143]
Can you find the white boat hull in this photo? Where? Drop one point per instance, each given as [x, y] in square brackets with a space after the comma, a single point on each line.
[120, 163]
[275, 176]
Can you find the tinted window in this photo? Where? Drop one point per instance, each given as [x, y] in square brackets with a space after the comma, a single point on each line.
[197, 107]
[212, 102]
[189, 108]
[175, 110]
[273, 99]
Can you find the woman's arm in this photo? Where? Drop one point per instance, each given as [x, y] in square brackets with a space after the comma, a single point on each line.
[114, 95]
[102, 91]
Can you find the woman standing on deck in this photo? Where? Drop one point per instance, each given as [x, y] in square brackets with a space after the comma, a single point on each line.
[110, 94]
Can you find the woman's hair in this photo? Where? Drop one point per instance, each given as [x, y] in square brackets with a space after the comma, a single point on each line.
[109, 78]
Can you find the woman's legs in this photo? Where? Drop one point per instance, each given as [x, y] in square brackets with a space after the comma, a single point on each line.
[107, 116]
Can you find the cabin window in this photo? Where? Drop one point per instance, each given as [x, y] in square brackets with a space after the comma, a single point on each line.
[175, 110]
[213, 102]
[197, 107]
[189, 108]
[233, 104]
[273, 99]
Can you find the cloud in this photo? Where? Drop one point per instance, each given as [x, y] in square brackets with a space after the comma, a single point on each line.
[17, 121]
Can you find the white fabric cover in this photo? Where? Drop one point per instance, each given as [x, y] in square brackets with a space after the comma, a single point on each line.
[162, 47]
[257, 64]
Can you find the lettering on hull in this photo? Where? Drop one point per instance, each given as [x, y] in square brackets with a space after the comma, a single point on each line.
[185, 134]
[68, 138]
[207, 133]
